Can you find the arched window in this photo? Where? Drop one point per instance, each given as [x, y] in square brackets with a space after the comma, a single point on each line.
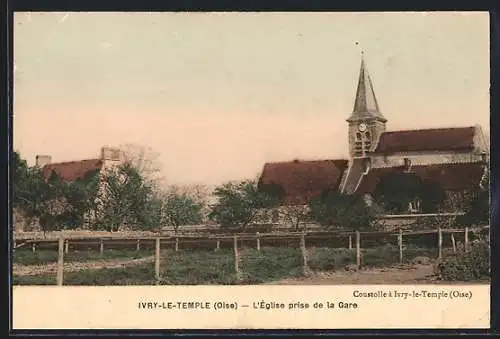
[368, 142]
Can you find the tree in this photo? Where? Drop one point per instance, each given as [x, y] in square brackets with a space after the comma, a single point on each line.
[295, 215]
[336, 210]
[182, 210]
[126, 198]
[477, 210]
[53, 203]
[197, 193]
[396, 190]
[145, 161]
[239, 203]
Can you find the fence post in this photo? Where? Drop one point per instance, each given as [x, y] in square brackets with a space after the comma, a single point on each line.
[350, 242]
[358, 249]
[304, 253]
[466, 240]
[258, 241]
[101, 250]
[400, 243]
[218, 245]
[60, 262]
[453, 243]
[33, 247]
[176, 244]
[236, 257]
[440, 243]
[66, 247]
[157, 260]
[138, 245]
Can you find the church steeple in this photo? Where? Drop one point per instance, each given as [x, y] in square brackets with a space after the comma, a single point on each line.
[365, 103]
[366, 122]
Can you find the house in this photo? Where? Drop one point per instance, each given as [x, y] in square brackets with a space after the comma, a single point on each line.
[455, 158]
[70, 171]
[73, 170]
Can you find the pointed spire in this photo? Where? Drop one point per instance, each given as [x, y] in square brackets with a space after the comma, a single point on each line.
[365, 104]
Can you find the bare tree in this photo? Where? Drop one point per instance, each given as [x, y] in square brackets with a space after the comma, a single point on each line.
[198, 193]
[295, 215]
[145, 160]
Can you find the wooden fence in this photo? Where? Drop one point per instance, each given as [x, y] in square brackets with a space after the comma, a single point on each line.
[347, 238]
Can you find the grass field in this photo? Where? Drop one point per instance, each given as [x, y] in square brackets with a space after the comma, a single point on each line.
[41, 257]
[211, 267]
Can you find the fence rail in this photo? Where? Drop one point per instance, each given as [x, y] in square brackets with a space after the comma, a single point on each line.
[346, 239]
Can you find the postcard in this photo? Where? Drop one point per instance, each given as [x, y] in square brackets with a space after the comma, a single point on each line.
[250, 170]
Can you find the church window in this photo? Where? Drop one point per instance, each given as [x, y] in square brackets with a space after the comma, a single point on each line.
[368, 140]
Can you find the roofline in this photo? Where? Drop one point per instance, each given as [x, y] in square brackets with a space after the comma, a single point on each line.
[70, 162]
[304, 161]
[428, 129]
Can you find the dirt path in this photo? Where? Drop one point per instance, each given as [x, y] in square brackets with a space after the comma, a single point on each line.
[23, 270]
[404, 274]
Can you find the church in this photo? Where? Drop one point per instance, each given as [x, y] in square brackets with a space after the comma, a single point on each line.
[455, 158]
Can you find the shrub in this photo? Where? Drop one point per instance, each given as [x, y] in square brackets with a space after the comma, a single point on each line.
[380, 256]
[272, 263]
[325, 259]
[467, 266]
[198, 268]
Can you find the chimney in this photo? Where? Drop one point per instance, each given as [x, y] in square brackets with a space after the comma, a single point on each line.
[110, 153]
[42, 160]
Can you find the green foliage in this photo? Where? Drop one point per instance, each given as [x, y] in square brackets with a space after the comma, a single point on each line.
[396, 190]
[477, 212]
[193, 268]
[126, 199]
[271, 263]
[217, 267]
[55, 204]
[107, 200]
[182, 210]
[336, 210]
[238, 203]
[331, 259]
[25, 256]
[467, 266]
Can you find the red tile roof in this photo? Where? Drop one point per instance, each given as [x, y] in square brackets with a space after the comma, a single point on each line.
[451, 177]
[438, 139]
[70, 171]
[304, 180]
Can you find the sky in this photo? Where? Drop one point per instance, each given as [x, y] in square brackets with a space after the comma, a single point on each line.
[217, 95]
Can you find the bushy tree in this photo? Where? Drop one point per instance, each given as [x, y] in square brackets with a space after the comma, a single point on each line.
[336, 210]
[239, 203]
[478, 205]
[53, 203]
[182, 210]
[396, 190]
[125, 199]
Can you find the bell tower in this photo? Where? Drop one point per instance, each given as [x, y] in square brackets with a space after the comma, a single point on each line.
[366, 122]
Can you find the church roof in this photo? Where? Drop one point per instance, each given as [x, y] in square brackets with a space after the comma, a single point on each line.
[451, 176]
[365, 103]
[303, 180]
[73, 170]
[436, 139]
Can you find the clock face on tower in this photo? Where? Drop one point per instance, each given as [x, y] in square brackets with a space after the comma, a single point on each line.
[362, 127]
